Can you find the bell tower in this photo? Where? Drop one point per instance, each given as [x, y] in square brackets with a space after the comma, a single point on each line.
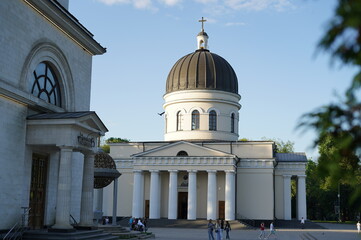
[202, 37]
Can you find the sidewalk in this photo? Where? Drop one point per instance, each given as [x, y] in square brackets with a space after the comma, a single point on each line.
[336, 233]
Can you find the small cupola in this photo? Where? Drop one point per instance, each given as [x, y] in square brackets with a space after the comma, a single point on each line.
[202, 37]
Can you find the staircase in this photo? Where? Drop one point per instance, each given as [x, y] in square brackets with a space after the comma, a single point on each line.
[296, 224]
[181, 223]
[124, 233]
[77, 235]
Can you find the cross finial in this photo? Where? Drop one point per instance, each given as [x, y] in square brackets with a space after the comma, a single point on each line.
[202, 21]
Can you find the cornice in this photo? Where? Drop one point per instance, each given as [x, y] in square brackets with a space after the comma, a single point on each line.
[67, 24]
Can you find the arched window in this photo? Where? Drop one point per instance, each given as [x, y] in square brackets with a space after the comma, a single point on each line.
[232, 123]
[195, 120]
[179, 121]
[45, 85]
[182, 154]
[212, 120]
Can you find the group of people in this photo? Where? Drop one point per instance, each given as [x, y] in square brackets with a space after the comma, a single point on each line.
[272, 231]
[138, 224]
[219, 228]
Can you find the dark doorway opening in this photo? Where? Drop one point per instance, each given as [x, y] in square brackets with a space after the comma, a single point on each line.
[37, 191]
[146, 214]
[182, 205]
[221, 205]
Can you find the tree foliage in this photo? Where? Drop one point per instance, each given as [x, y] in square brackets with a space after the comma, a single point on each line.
[338, 125]
[106, 148]
[282, 146]
[116, 140]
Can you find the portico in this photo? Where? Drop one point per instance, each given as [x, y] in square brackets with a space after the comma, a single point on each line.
[184, 174]
[67, 135]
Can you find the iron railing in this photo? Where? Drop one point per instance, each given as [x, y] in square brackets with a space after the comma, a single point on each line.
[16, 232]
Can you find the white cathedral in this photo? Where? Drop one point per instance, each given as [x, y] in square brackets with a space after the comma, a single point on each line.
[49, 136]
[201, 170]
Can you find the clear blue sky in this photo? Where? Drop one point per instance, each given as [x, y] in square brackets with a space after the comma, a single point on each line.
[271, 44]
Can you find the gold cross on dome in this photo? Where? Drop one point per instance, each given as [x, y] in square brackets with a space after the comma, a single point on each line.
[202, 21]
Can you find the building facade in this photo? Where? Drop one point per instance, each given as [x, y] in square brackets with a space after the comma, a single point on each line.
[48, 135]
[201, 170]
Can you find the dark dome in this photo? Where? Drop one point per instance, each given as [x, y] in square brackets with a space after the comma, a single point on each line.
[104, 170]
[202, 70]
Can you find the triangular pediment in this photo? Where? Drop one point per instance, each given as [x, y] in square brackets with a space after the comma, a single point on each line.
[79, 130]
[87, 119]
[178, 149]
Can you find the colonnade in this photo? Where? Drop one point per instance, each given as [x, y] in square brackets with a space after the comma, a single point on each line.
[301, 197]
[63, 202]
[155, 191]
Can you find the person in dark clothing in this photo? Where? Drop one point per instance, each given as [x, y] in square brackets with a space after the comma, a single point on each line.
[227, 228]
[222, 228]
[210, 227]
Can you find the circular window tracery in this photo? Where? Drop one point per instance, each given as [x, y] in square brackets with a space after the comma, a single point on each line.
[45, 84]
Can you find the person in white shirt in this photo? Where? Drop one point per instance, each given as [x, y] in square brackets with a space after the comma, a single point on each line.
[272, 231]
[140, 225]
[302, 223]
[358, 225]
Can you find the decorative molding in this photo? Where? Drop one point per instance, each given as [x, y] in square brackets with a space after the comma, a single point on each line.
[191, 161]
[290, 168]
[256, 163]
[66, 23]
[124, 164]
[286, 166]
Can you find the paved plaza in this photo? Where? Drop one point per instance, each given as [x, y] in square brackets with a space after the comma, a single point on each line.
[333, 232]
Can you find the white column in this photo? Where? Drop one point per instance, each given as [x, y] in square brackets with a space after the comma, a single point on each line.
[173, 198]
[99, 200]
[230, 195]
[86, 211]
[154, 201]
[63, 199]
[142, 199]
[137, 194]
[212, 195]
[192, 195]
[287, 197]
[115, 202]
[301, 197]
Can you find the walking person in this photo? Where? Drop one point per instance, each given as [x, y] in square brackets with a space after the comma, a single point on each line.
[262, 233]
[302, 223]
[227, 228]
[218, 230]
[358, 225]
[210, 227]
[222, 228]
[272, 231]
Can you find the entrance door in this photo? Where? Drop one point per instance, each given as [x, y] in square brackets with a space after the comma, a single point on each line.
[221, 205]
[182, 205]
[37, 191]
[146, 214]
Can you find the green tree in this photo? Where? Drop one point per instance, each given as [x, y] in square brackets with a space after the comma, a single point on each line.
[282, 146]
[106, 148]
[116, 140]
[341, 121]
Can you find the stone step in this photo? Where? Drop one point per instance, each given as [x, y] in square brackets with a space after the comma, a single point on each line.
[123, 233]
[77, 235]
[181, 223]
